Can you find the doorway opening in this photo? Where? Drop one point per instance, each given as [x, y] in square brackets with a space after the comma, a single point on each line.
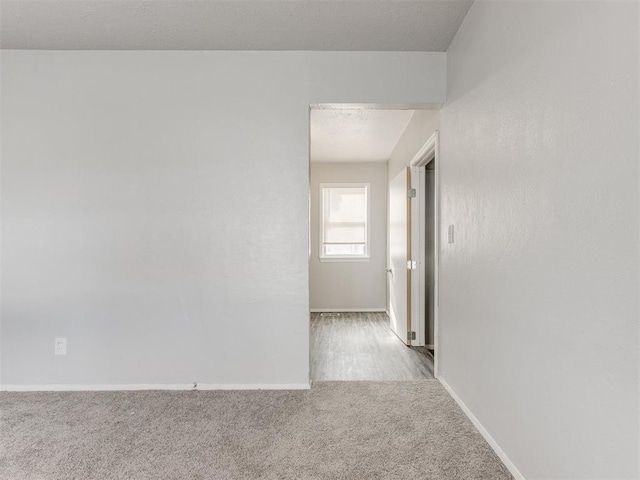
[366, 268]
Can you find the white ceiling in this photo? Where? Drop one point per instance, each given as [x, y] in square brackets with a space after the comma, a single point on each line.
[350, 25]
[356, 135]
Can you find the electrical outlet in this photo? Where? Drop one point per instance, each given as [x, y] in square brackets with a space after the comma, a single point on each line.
[60, 346]
[451, 238]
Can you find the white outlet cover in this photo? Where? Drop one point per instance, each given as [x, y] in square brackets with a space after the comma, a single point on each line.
[60, 346]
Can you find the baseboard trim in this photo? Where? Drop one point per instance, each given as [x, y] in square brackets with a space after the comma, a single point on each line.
[139, 387]
[346, 310]
[483, 431]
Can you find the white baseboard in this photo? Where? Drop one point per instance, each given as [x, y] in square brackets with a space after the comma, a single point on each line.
[346, 310]
[137, 387]
[483, 431]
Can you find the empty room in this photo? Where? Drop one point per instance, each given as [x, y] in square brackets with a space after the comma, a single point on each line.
[320, 239]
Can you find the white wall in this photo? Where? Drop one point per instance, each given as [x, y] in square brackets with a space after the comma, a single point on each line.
[155, 208]
[359, 285]
[539, 174]
[419, 129]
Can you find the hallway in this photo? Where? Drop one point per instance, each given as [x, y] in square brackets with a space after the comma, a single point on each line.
[361, 346]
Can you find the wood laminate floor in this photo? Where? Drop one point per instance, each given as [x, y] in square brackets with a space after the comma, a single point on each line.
[361, 346]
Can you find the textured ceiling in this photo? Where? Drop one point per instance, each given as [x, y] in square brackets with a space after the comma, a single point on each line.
[355, 25]
[356, 135]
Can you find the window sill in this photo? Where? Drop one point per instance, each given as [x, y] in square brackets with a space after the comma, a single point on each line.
[344, 259]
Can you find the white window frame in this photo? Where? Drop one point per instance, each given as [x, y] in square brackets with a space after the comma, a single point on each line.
[367, 246]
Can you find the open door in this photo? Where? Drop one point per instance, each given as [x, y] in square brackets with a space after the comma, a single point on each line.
[399, 271]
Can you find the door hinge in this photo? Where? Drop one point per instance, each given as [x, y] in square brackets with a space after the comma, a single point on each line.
[411, 336]
[411, 193]
[412, 265]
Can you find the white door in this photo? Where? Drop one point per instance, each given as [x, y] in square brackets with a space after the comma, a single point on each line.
[399, 253]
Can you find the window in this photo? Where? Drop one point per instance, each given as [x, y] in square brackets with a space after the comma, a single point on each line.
[344, 221]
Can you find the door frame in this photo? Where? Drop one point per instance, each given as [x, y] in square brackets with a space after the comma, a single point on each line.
[428, 153]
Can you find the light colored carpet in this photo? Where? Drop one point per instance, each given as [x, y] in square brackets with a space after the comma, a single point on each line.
[336, 430]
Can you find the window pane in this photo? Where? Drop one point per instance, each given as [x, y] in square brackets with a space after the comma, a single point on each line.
[345, 215]
[336, 232]
[344, 249]
[344, 221]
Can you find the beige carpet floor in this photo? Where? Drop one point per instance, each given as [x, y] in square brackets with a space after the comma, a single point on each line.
[336, 430]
